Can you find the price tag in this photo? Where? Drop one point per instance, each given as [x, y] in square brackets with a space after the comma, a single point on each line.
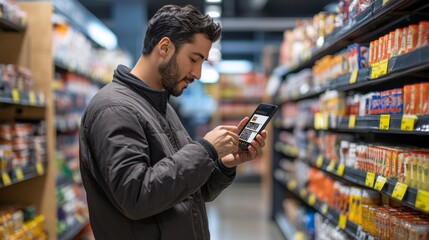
[15, 95]
[352, 121]
[374, 70]
[383, 67]
[340, 170]
[331, 166]
[39, 168]
[303, 193]
[317, 120]
[353, 76]
[291, 185]
[32, 98]
[379, 184]
[384, 122]
[385, 2]
[399, 190]
[6, 179]
[342, 221]
[369, 180]
[19, 174]
[325, 125]
[422, 200]
[312, 199]
[324, 209]
[319, 162]
[407, 123]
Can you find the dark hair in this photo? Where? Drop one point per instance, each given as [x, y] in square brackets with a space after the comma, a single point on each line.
[179, 24]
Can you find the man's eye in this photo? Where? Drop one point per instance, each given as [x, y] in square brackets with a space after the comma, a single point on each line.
[193, 60]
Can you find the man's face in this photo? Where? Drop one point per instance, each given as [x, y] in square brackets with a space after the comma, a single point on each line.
[185, 65]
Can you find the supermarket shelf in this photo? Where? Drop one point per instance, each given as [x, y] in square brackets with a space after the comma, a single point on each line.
[378, 16]
[33, 99]
[412, 197]
[287, 150]
[285, 226]
[351, 229]
[374, 123]
[6, 25]
[61, 66]
[413, 62]
[18, 175]
[74, 230]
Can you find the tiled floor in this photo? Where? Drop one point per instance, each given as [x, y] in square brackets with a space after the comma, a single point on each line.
[241, 213]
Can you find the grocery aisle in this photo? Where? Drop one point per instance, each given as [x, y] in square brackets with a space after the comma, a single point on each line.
[241, 212]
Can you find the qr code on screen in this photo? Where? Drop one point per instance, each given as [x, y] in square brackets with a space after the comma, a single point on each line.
[245, 134]
[253, 126]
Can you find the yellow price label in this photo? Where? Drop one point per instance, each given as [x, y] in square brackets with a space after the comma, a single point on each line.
[19, 174]
[374, 70]
[379, 183]
[340, 170]
[324, 209]
[32, 98]
[385, 2]
[399, 190]
[319, 162]
[317, 120]
[354, 76]
[6, 179]
[312, 199]
[303, 193]
[369, 180]
[15, 95]
[407, 123]
[331, 166]
[39, 168]
[384, 122]
[422, 200]
[342, 221]
[352, 121]
[383, 67]
[325, 124]
[291, 185]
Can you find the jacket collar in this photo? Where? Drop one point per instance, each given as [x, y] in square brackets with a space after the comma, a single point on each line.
[157, 98]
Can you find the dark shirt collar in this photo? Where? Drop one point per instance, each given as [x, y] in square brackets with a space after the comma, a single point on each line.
[157, 98]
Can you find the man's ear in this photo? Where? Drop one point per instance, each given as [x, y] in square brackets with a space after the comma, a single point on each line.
[165, 46]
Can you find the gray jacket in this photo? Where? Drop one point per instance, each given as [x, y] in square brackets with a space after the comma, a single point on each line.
[145, 178]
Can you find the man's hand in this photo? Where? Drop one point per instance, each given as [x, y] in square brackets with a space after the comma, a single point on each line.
[224, 139]
[254, 150]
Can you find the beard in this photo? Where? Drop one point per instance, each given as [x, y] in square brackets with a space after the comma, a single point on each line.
[170, 76]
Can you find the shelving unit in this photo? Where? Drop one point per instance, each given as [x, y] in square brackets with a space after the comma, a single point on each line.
[30, 46]
[402, 129]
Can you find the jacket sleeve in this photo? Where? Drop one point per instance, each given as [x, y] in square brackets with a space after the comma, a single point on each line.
[220, 179]
[120, 149]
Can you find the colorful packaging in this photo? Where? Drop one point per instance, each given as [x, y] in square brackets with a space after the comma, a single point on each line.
[423, 34]
[403, 41]
[413, 37]
[424, 98]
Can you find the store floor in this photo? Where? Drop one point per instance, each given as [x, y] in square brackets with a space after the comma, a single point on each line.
[241, 212]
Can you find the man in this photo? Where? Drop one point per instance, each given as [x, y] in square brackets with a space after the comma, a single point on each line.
[144, 176]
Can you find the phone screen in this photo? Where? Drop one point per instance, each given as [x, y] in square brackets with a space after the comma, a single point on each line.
[252, 128]
[257, 122]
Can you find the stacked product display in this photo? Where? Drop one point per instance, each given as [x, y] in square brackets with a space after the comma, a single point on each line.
[350, 139]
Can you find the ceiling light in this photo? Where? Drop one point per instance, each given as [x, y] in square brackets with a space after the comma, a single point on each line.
[214, 1]
[213, 11]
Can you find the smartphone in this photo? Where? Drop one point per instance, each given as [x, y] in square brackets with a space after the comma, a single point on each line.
[256, 123]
